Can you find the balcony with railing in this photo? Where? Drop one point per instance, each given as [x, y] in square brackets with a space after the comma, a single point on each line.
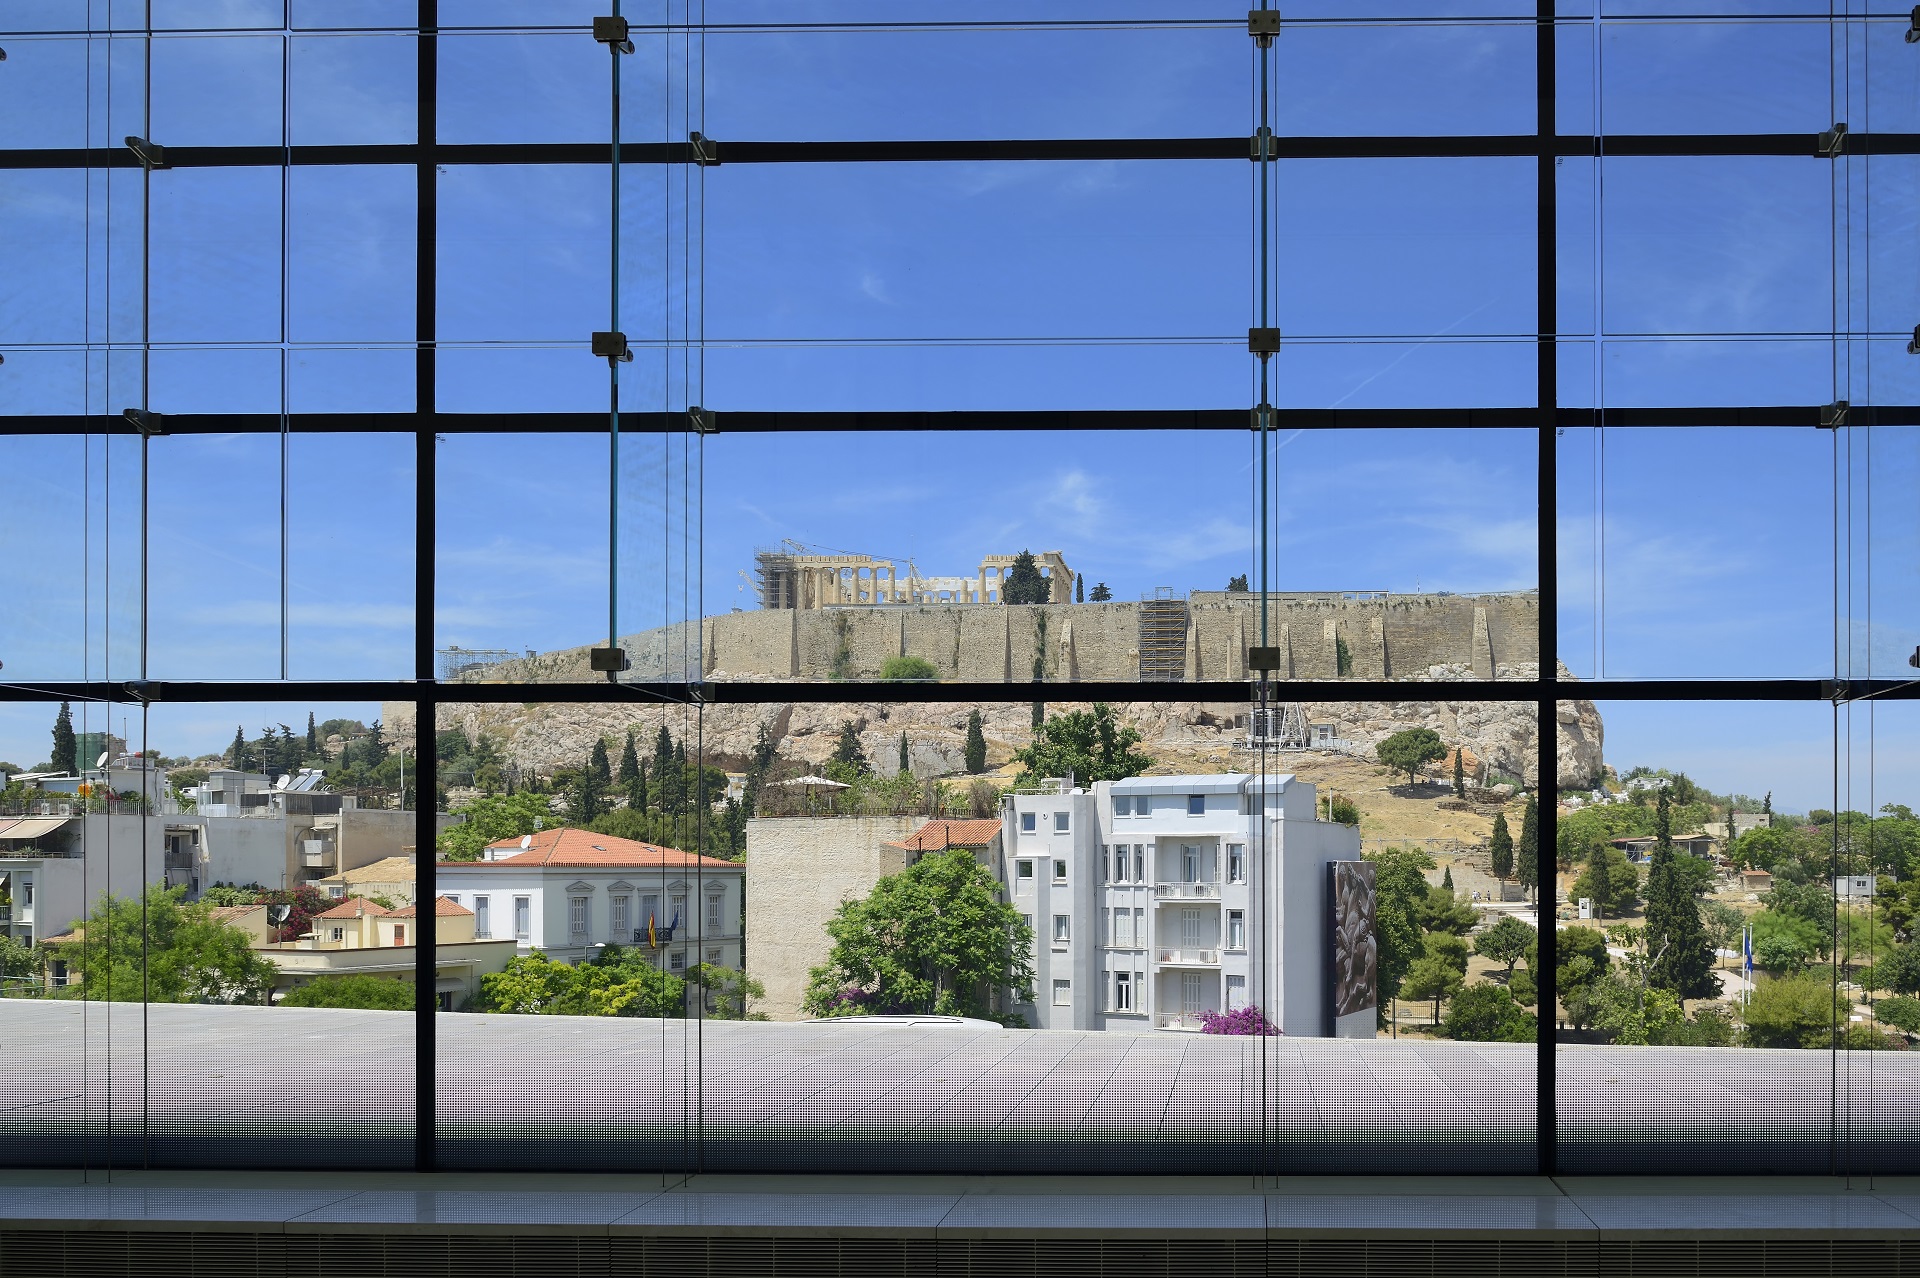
[1184, 1022]
[1207, 891]
[1187, 958]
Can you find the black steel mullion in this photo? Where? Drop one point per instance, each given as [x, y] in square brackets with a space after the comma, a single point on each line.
[938, 150]
[1547, 303]
[426, 994]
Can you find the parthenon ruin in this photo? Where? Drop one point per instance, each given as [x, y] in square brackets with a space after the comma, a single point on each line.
[794, 579]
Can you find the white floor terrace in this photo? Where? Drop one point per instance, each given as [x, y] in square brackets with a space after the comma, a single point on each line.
[166, 1085]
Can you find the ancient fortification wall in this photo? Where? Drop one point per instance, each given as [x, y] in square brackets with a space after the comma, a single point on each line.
[1396, 636]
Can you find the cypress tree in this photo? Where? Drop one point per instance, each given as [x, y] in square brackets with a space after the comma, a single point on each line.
[629, 775]
[1079, 589]
[587, 801]
[1599, 871]
[1446, 878]
[313, 738]
[976, 744]
[65, 746]
[237, 753]
[1500, 848]
[847, 749]
[1528, 859]
[598, 763]
[1680, 958]
[1460, 784]
[906, 765]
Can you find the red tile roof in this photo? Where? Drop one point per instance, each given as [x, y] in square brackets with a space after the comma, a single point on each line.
[352, 908]
[442, 909]
[585, 849]
[936, 835]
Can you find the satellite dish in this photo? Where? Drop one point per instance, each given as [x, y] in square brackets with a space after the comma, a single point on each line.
[101, 762]
[281, 783]
[526, 841]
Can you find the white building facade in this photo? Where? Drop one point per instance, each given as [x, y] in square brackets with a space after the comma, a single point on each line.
[1155, 899]
[570, 892]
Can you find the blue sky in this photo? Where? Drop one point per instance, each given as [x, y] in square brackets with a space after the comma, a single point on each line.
[1398, 283]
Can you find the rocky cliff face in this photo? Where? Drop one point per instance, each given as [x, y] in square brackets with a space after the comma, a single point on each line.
[542, 737]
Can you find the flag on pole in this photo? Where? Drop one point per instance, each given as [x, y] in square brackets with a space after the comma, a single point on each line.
[653, 941]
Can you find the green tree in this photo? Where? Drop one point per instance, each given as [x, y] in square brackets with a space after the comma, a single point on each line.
[934, 938]
[1237, 584]
[1899, 970]
[1342, 810]
[1444, 911]
[313, 738]
[1507, 941]
[847, 751]
[1023, 583]
[1080, 588]
[618, 982]
[1100, 593]
[376, 993]
[162, 950]
[631, 780]
[490, 819]
[976, 744]
[1611, 881]
[1342, 657]
[1794, 1011]
[1680, 958]
[240, 754]
[1089, 745]
[586, 799]
[1431, 978]
[1901, 1012]
[726, 993]
[1483, 1013]
[21, 969]
[1399, 893]
[908, 670]
[906, 763]
[1446, 879]
[600, 764]
[666, 779]
[1409, 750]
[1583, 961]
[1460, 778]
[1500, 848]
[65, 745]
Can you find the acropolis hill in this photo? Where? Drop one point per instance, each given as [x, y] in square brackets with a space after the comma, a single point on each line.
[1204, 636]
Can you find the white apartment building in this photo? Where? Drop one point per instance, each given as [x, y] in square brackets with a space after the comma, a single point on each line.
[1157, 898]
[568, 892]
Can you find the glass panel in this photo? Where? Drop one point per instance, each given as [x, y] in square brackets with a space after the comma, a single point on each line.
[350, 254]
[43, 215]
[350, 556]
[353, 89]
[214, 557]
[1696, 553]
[549, 87]
[43, 95]
[868, 84]
[1715, 77]
[1143, 249]
[1063, 1088]
[218, 91]
[216, 255]
[1653, 973]
[523, 253]
[521, 563]
[1119, 512]
[1688, 249]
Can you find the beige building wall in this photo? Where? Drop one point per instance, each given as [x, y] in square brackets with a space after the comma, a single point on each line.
[799, 870]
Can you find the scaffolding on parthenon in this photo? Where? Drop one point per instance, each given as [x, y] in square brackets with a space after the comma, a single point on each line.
[1163, 637]
[451, 663]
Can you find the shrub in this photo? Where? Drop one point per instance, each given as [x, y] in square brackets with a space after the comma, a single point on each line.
[1343, 810]
[916, 669]
[1247, 1020]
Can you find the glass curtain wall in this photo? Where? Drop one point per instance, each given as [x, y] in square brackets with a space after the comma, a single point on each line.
[461, 443]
